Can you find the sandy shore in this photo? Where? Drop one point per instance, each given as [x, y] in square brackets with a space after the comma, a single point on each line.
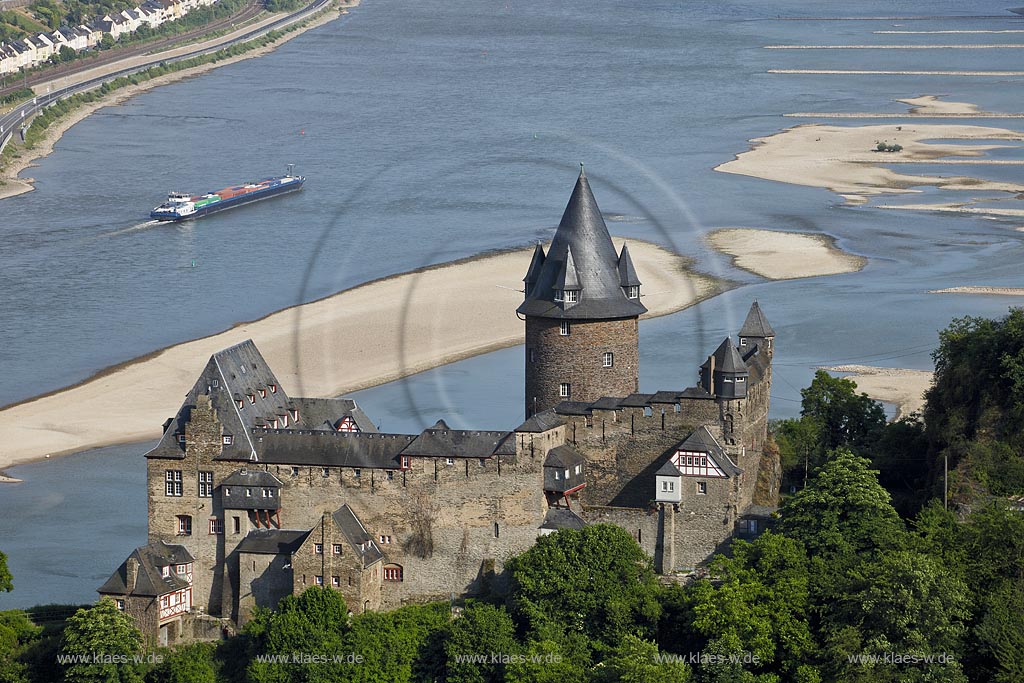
[954, 208]
[784, 255]
[362, 337]
[903, 388]
[933, 104]
[842, 158]
[12, 185]
[999, 291]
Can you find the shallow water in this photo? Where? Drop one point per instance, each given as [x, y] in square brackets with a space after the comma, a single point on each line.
[431, 131]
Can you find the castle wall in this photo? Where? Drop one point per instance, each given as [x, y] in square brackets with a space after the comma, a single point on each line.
[578, 359]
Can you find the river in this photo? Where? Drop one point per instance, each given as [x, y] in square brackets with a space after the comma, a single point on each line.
[431, 131]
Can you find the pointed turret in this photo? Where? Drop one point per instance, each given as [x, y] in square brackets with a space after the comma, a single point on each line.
[756, 331]
[583, 231]
[581, 309]
[724, 374]
[534, 271]
[628, 279]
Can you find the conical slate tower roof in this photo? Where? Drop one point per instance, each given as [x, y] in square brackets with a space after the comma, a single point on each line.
[728, 359]
[596, 265]
[534, 271]
[756, 325]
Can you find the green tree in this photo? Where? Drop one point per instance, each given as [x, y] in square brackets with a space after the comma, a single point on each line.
[844, 417]
[311, 624]
[399, 646]
[6, 580]
[596, 580]
[105, 640]
[107, 42]
[635, 660]
[553, 655]
[1000, 634]
[16, 630]
[482, 631]
[195, 663]
[756, 602]
[902, 602]
[843, 510]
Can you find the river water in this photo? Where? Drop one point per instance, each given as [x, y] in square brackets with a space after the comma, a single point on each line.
[431, 131]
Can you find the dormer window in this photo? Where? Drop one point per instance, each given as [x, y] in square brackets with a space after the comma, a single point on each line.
[743, 341]
[273, 389]
[227, 439]
[559, 295]
[240, 402]
[633, 291]
[252, 398]
[284, 419]
[564, 328]
[181, 438]
[295, 414]
[263, 393]
[571, 296]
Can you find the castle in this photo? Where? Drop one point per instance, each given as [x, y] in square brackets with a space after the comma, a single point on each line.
[254, 494]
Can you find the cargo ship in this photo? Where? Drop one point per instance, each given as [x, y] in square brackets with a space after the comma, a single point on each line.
[181, 205]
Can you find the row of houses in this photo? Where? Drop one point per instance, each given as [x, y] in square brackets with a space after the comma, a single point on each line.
[33, 50]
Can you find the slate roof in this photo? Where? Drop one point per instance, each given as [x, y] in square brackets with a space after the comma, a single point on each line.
[573, 408]
[756, 324]
[728, 359]
[606, 403]
[357, 536]
[150, 580]
[563, 456]
[703, 441]
[665, 396]
[254, 478]
[273, 541]
[583, 232]
[668, 470]
[330, 449]
[636, 401]
[695, 392]
[562, 518]
[534, 270]
[441, 441]
[627, 273]
[541, 422]
[236, 373]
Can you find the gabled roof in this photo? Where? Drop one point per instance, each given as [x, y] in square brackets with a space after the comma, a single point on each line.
[563, 456]
[240, 373]
[360, 540]
[330, 449]
[583, 232]
[441, 441]
[636, 401]
[562, 518]
[273, 541]
[150, 581]
[573, 408]
[256, 478]
[606, 403]
[703, 441]
[756, 324]
[541, 422]
[627, 273]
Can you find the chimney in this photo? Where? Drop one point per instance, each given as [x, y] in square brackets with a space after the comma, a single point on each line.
[131, 573]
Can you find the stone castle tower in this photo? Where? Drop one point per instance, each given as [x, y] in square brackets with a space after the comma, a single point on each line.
[582, 303]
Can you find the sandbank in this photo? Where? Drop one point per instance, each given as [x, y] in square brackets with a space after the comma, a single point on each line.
[784, 255]
[999, 291]
[843, 159]
[11, 185]
[903, 388]
[368, 335]
[954, 208]
[933, 104]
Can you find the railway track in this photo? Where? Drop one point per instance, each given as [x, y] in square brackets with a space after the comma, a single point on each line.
[101, 58]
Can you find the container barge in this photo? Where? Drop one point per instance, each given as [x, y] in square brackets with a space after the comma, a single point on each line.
[181, 205]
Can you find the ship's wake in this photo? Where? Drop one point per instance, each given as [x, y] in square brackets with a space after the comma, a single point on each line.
[133, 228]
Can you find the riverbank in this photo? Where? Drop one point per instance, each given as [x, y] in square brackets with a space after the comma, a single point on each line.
[996, 291]
[784, 255]
[903, 388]
[12, 185]
[843, 159]
[362, 337]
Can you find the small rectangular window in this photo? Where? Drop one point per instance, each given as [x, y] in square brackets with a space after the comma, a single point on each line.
[215, 383]
[449, 461]
[357, 473]
[206, 484]
[318, 548]
[325, 471]
[120, 605]
[608, 360]
[335, 581]
[702, 488]
[336, 548]
[571, 296]
[559, 295]
[181, 438]
[236, 525]
[295, 471]
[227, 439]
[406, 462]
[319, 580]
[564, 328]
[216, 527]
[391, 475]
[184, 525]
[565, 390]
[172, 483]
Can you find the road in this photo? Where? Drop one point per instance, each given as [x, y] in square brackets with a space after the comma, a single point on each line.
[12, 122]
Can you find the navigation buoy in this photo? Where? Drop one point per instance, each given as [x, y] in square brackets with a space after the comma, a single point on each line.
[302, 132]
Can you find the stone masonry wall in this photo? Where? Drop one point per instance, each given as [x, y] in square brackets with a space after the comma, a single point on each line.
[552, 358]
